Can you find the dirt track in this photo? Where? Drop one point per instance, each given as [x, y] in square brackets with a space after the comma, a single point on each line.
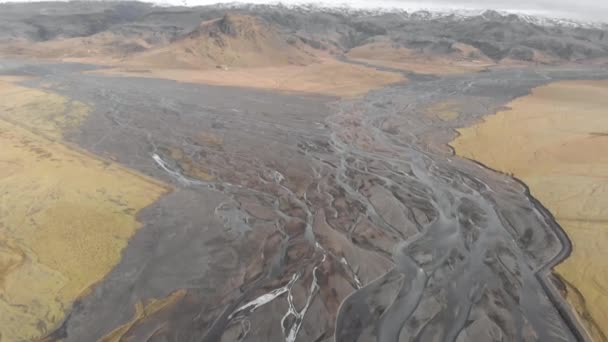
[296, 216]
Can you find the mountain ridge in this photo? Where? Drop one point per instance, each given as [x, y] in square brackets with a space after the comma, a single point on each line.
[137, 28]
[539, 19]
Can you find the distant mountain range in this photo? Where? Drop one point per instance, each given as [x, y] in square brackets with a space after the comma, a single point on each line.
[428, 14]
[135, 30]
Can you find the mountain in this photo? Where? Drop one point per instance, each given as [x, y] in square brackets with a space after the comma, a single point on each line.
[233, 41]
[258, 35]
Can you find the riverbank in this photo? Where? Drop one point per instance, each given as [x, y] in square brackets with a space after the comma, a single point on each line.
[555, 140]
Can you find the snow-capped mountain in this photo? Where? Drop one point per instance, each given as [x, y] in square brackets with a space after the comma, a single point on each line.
[361, 9]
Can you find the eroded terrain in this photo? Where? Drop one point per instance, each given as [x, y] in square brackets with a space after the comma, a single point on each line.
[309, 218]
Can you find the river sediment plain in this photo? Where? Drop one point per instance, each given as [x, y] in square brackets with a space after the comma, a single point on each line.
[295, 217]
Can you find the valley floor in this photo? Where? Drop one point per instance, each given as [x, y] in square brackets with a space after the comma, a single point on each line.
[244, 214]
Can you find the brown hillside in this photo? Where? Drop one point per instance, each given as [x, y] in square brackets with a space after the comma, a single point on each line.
[463, 58]
[104, 46]
[232, 41]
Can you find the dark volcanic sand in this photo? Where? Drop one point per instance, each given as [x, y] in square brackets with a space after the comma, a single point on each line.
[304, 218]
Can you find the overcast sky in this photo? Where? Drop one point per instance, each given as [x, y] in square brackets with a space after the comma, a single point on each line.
[596, 10]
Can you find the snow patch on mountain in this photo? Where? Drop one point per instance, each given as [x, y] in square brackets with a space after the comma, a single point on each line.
[422, 11]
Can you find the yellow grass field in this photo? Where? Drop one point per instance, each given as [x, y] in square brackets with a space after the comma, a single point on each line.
[328, 77]
[445, 111]
[65, 216]
[143, 310]
[556, 141]
[46, 113]
[386, 55]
